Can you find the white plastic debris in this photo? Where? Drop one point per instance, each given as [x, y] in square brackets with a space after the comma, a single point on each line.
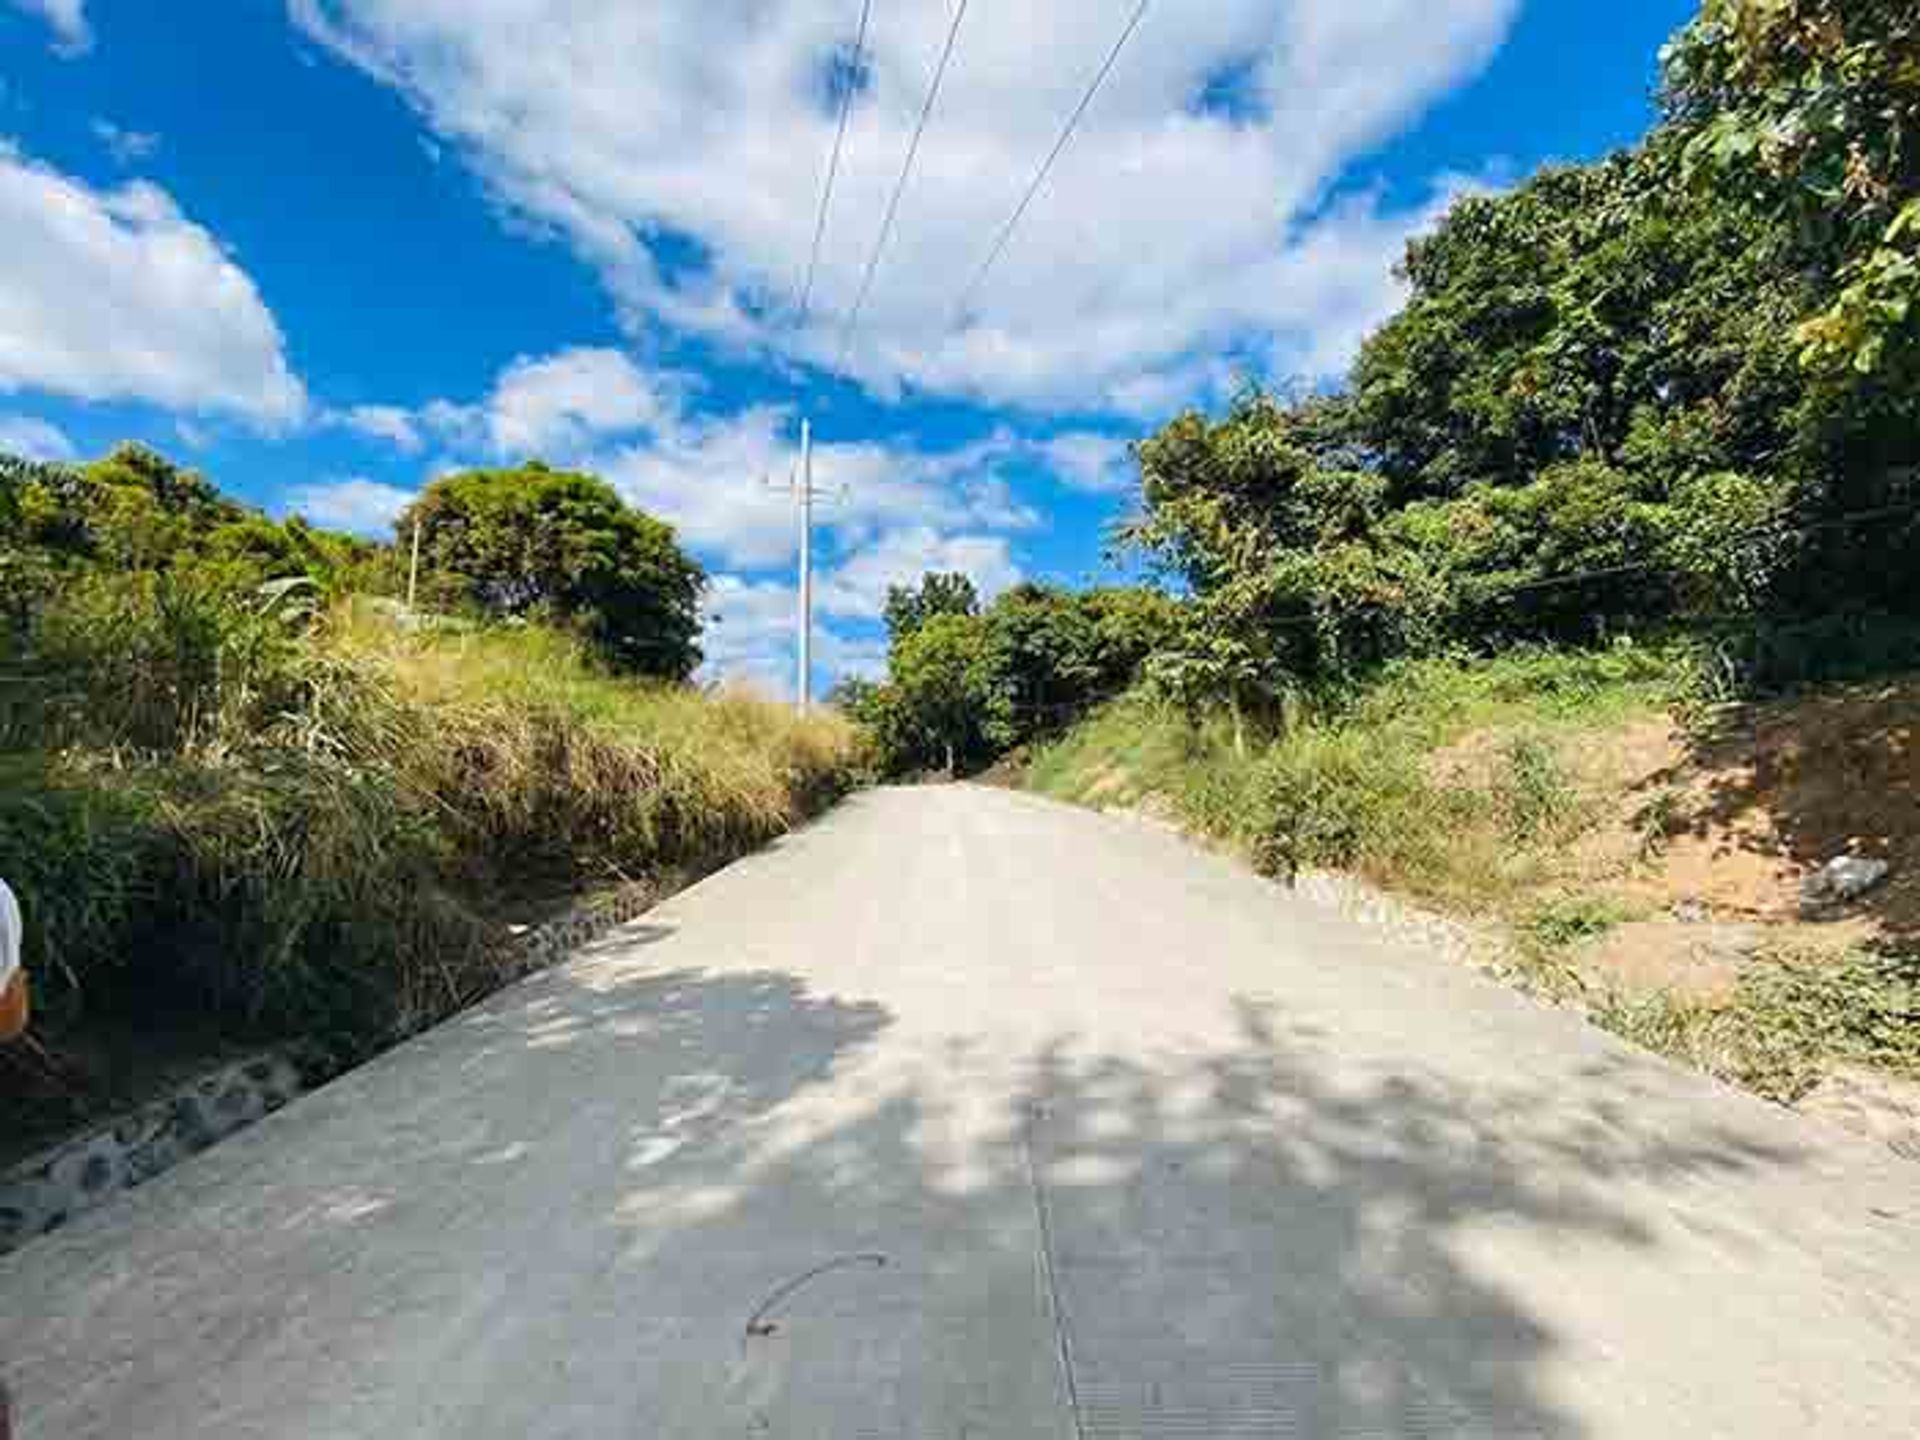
[1843, 878]
[10, 928]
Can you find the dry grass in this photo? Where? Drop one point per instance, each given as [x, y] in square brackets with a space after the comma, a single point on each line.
[334, 864]
[1462, 783]
[539, 761]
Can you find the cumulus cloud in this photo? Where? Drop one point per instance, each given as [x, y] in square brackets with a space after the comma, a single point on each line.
[723, 481]
[749, 633]
[858, 586]
[559, 404]
[720, 478]
[749, 638]
[391, 423]
[68, 20]
[363, 506]
[552, 407]
[750, 622]
[1084, 460]
[116, 295]
[33, 439]
[680, 153]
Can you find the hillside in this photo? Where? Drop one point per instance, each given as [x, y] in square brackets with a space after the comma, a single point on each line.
[245, 798]
[1616, 837]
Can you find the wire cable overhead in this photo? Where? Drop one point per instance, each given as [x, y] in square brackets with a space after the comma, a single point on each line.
[1005, 236]
[851, 85]
[900, 185]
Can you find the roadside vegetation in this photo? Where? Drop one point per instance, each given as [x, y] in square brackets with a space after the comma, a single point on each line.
[1571, 809]
[967, 685]
[245, 791]
[1498, 623]
[1374, 778]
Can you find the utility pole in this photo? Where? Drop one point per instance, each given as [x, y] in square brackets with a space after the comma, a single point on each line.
[800, 485]
[806, 566]
[413, 569]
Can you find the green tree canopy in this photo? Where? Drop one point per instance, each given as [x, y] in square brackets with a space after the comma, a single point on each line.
[533, 541]
[966, 685]
[943, 680]
[909, 607]
[136, 511]
[1673, 385]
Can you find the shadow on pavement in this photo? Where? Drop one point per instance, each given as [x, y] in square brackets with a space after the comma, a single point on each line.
[649, 1213]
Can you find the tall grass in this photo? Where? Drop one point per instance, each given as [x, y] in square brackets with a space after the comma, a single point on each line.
[308, 823]
[1350, 779]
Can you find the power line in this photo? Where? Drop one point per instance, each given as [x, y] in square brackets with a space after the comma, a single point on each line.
[899, 188]
[1772, 530]
[833, 164]
[1046, 166]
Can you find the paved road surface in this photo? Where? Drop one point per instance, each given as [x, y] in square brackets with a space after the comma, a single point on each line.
[961, 1115]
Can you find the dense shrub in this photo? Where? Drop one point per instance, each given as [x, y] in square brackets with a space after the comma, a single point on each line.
[1676, 386]
[966, 685]
[543, 544]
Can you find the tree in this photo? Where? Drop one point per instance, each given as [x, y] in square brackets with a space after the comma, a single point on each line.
[1815, 106]
[970, 686]
[909, 607]
[539, 542]
[942, 677]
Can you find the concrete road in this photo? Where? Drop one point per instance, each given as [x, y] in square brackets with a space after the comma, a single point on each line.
[962, 1115]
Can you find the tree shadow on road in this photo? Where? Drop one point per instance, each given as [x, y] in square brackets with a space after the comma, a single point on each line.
[687, 1203]
[1232, 1244]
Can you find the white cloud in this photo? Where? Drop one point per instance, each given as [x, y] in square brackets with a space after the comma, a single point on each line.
[680, 150]
[560, 404]
[68, 20]
[33, 439]
[1092, 462]
[116, 295]
[857, 588]
[749, 633]
[750, 638]
[390, 423]
[720, 478]
[553, 407]
[750, 622]
[125, 146]
[711, 477]
[363, 506]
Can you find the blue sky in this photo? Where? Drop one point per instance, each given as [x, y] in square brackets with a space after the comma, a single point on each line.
[326, 249]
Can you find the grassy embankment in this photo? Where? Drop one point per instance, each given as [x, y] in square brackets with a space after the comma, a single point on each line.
[226, 819]
[1572, 801]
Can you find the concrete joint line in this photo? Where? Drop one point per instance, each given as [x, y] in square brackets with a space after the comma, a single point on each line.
[1056, 1308]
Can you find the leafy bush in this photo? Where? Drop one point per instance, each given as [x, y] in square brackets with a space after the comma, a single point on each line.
[81, 850]
[542, 544]
[1673, 387]
[1533, 792]
[156, 661]
[1572, 919]
[966, 686]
